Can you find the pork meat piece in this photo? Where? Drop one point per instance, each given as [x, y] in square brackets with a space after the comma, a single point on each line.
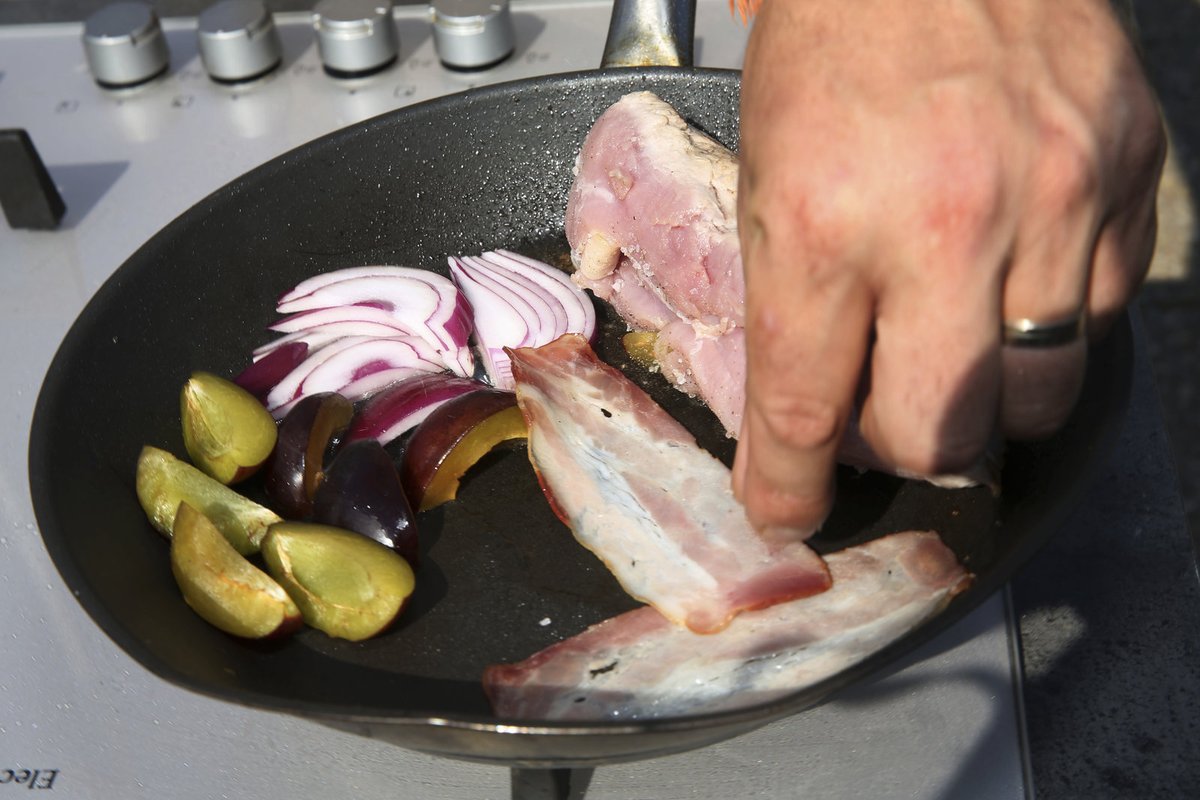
[652, 223]
[638, 491]
[653, 189]
[640, 666]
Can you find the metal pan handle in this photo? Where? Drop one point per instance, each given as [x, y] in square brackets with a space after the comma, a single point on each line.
[650, 33]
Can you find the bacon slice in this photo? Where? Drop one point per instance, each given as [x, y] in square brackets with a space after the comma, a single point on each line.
[639, 666]
[636, 490]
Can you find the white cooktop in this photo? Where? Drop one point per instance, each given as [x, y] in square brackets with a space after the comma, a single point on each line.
[79, 718]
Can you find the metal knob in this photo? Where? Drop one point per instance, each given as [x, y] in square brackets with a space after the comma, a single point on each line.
[355, 37]
[472, 34]
[238, 40]
[124, 45]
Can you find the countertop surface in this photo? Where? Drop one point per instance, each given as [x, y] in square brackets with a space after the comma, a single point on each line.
[1110, 610]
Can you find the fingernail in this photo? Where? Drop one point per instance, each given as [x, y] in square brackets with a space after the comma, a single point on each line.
[785, 534]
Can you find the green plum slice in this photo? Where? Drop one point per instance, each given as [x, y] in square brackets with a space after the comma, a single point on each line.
[223, 587]
[163, 482]
[226, 430]
[345, 584]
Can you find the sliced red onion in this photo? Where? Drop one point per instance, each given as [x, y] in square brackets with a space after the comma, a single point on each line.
[502, 318]
[397, 409]
[451, 342]
[519, 302]
[287, 388]
[551, 317]
[349, 359]
[319, 284]
[378, 381]
[310, 285]
[581, 314]
[461, 322]
[262, 375]
[417, 297]
[412, 302]
[319, 335]
[460, 361]
[367, 357]
[305, 320]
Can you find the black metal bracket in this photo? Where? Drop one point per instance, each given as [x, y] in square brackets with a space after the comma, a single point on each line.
[550, 784]
[27, 194]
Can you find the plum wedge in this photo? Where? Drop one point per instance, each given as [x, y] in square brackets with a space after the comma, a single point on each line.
[452, 439]
[222, 586]
[638, 491]
[346, 585]
[227, 432]
[163, 482]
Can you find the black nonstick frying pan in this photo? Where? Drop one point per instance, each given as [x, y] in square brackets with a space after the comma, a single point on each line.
[479, 170]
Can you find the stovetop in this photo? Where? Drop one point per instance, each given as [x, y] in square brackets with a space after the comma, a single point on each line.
[78, 717]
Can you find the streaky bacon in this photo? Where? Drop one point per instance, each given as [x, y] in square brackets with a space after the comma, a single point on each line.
[638, 491]
[640, 666]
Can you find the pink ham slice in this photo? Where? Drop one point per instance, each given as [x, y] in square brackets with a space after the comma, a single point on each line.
[636, 490]
[652, 223]
[664, 195]
[639, 666]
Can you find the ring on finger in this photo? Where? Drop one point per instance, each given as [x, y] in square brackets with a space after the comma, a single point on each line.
[1026, 332]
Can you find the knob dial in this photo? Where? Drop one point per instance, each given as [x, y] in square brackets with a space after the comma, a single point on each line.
[472, 34]
[355, 37]
[238, 40]
[124, 45]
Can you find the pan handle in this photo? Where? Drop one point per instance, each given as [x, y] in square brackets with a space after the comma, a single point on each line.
[650, 33]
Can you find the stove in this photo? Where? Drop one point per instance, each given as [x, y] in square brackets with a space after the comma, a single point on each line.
[80, 719]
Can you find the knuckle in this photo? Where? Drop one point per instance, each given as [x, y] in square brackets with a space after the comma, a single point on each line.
[806, 213]
[1146, 140]
[959, 213]
[1069, 172]
[1148, 146]
[800, 422]
[767, 332]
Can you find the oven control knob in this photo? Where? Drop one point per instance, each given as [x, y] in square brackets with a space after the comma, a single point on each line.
[124, 45]
[238, 40]
[355, 37]
[472, 34]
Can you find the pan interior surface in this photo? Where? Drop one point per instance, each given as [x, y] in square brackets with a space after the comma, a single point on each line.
[501, 577]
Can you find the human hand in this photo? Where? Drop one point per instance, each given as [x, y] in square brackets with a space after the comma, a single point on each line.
[912, 177]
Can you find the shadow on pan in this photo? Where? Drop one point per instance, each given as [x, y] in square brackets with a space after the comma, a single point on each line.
[485, 169]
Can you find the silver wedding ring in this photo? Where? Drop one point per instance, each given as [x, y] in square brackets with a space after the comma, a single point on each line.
[1030, 333]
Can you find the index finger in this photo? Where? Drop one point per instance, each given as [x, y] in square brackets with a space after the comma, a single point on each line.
[808, 322]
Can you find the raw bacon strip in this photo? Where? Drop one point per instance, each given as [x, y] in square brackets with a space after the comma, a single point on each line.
[638, 665]
[637, 491]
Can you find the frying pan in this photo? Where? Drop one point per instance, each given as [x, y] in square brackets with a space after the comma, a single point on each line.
[478, 170]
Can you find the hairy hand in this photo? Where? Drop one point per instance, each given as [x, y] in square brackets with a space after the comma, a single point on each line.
[912, 176]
